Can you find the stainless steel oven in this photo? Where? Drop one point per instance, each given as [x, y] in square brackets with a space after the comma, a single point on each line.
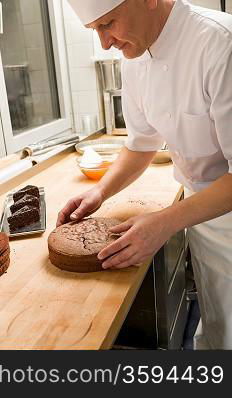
[115, 123]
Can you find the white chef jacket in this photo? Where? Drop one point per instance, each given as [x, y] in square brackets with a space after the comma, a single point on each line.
[181, 93]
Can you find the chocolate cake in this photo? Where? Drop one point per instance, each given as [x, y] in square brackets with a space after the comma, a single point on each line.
[28, 190]
[27, 200]
[25, 216]
[74, 246]
[4, 253]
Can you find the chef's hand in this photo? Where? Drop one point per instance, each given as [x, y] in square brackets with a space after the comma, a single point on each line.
[80, 206]
[142, 237]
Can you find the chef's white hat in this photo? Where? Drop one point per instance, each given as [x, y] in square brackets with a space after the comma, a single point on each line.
[90, 10]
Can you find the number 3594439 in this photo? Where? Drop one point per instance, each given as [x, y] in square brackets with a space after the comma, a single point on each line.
[145, 374]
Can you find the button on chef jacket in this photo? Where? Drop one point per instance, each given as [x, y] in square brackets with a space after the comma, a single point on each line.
[181, 94]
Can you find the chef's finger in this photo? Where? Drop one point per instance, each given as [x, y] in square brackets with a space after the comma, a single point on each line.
[114, 247]
[63, 215]
[121, 227]
[61, 218]
[71, 206]
[81, 211]
[126, 263]
[136, 261]
[119, 258]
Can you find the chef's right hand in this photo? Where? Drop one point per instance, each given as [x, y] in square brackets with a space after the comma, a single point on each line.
[80, 206]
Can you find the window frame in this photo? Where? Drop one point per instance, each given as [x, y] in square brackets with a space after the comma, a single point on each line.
[2, 142]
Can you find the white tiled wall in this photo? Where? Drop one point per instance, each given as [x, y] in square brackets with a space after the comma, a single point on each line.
[80, 50]
[229, 6]
[84, 47]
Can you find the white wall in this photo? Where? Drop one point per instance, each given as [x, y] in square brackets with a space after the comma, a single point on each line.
[229, 6]
[216, 4]
[80, 50]
[84, 47]
[207, 3]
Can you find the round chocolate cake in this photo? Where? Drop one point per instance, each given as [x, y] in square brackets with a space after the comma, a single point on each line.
[74, 246]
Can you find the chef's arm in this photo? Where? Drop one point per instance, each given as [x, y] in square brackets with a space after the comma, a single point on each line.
[211, 202]
[144, 235]
[127, 168]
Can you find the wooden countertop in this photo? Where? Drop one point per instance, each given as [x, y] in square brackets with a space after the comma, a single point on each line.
[43, 307]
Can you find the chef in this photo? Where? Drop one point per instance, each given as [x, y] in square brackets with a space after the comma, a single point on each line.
[177, 88]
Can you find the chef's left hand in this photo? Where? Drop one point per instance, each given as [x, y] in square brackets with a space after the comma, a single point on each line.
[142, 237]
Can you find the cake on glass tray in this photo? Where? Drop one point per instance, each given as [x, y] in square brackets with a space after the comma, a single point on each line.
[27, 190]
[25, 216]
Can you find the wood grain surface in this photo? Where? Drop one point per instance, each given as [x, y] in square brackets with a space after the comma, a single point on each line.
[43, 307]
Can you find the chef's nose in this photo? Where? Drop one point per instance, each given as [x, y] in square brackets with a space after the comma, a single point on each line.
[106, 40]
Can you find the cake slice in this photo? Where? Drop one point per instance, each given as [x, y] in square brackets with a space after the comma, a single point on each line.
[27, 200]
[28, 190]
[25, 216]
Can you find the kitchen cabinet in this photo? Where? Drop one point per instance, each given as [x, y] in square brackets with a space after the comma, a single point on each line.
[157, 317]
[171, 303]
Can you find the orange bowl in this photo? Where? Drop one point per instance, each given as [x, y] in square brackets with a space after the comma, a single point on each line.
[96, 173]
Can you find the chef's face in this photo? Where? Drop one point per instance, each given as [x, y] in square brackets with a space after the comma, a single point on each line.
[129, 27]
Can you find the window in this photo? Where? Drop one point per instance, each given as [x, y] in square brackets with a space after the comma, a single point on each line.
[35, 99]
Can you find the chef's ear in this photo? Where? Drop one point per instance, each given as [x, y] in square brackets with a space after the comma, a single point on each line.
[152, 4]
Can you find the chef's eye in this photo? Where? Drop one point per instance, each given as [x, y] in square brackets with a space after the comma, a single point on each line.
[108, 25]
